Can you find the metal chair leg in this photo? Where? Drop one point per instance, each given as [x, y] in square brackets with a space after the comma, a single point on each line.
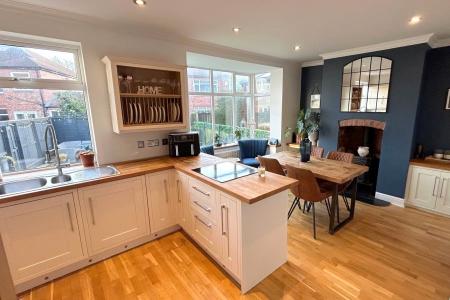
[305, 204]
[291, 210]
[314, 219]
[337, 210]
[327, 204]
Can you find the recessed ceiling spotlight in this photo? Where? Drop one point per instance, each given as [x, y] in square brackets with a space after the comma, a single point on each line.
[414, 20]
[140, 3]
[297, 48]
[236, 29]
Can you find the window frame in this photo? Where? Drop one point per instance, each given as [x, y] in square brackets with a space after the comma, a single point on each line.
[251, 123]
[26, 113]
[79, 84]
[41, 83]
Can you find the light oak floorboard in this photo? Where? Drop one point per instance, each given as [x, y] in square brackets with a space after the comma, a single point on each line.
[384, 253]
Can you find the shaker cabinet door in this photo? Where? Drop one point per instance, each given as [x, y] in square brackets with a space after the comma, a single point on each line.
[162, 210]
[424, 187]
[41, 236]
[115, 213]
[443, 200]
[229, 233]
[182, 201]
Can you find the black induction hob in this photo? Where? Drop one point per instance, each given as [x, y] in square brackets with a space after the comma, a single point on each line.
[225, 171]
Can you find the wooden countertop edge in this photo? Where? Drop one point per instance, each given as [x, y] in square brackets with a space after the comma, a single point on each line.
[431, 164]
[165, 165]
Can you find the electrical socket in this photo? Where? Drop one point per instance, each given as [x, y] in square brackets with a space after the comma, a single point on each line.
[165, 141]
[140, 144]
[153, 143]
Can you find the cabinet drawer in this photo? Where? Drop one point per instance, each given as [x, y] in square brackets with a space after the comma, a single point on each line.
[202, 199]
[205, 232]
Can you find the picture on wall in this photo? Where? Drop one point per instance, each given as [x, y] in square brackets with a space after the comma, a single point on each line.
[315, 101]
[447, 104]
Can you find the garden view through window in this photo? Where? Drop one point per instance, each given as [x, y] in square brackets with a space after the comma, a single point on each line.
[227, 106]
[39, 87]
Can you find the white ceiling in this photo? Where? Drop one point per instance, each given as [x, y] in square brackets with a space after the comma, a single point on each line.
[272, 27]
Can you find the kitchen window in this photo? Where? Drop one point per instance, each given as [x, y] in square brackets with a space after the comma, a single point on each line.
[229, 105]
[41, 84]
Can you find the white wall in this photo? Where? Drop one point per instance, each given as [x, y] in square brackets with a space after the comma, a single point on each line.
[99, 39]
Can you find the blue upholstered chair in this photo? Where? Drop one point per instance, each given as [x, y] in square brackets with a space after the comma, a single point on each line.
[250, 149]
[207, 149]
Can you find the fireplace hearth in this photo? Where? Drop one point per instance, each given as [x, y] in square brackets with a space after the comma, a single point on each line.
[368, 133]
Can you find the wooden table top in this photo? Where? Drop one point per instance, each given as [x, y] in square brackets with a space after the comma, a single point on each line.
[327, 169]
[249, 189]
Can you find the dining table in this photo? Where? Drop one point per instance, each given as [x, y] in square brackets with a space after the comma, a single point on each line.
[336, 172]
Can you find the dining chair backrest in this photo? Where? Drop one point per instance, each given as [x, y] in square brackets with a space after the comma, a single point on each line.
[340, 156]
[317, 151]
[307, 188]
[271, 165]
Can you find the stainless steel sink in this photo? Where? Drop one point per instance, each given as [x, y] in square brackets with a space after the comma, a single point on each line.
[93, 173]
[60, 179]
[47, 181]
[22, 185]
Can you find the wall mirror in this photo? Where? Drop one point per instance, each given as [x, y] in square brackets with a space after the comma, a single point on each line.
[365, 85]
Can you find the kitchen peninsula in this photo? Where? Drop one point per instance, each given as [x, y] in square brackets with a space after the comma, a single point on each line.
[89, 221]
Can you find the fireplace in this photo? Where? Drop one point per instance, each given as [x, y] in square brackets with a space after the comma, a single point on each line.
[354, 133]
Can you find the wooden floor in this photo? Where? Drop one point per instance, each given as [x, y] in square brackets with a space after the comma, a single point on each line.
[385, 253]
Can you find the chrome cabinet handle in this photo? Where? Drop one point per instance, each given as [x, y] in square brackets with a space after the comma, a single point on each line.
[207, 209]
[434, 187]
[166, 190]
[70, 217]
[91, 206]
[178, 190]
[199, 190]
[221, 213]
[442, 187]
[209, 225]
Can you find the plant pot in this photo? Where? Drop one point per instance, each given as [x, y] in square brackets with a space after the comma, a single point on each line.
[313, 136]
[87, 159]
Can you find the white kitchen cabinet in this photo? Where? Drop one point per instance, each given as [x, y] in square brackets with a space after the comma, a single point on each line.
[443, 198]
[429, 188]
[114, 213]
[41, 236]
[162, 209]
[229, 239]
[423, 185]
[182, 201]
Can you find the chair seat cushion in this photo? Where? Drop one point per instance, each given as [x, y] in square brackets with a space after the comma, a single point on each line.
[252, 162]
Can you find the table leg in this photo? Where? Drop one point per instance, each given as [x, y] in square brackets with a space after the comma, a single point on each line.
[354, 191]
[333, 208]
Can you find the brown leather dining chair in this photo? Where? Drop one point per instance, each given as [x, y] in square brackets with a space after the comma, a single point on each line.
[271, 164]
[317, 151]
[345, 157]
[307, 189]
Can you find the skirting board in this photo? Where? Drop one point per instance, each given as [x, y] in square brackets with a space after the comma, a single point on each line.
[391, 199]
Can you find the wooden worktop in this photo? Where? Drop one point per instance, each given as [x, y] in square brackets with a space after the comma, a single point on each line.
[432, 163]
[249, 189]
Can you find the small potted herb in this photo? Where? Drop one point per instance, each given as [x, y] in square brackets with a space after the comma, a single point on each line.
[87, 157]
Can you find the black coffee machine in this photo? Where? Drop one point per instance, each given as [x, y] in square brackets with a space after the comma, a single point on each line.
[184, 144]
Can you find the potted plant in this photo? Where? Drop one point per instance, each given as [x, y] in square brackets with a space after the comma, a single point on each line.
[217, 140]
[238, 134]
[301, 125]
[87, 157]
[312, 121]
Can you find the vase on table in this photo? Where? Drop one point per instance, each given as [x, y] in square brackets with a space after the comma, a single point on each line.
[313, 137]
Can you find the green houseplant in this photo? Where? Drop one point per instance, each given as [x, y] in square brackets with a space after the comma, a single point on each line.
[312, 121]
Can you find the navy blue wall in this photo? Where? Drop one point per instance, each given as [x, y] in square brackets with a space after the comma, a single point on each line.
[311, 81]
[433, 127]
[398, 138]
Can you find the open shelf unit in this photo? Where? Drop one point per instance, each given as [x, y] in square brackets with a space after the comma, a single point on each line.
[146, 96]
